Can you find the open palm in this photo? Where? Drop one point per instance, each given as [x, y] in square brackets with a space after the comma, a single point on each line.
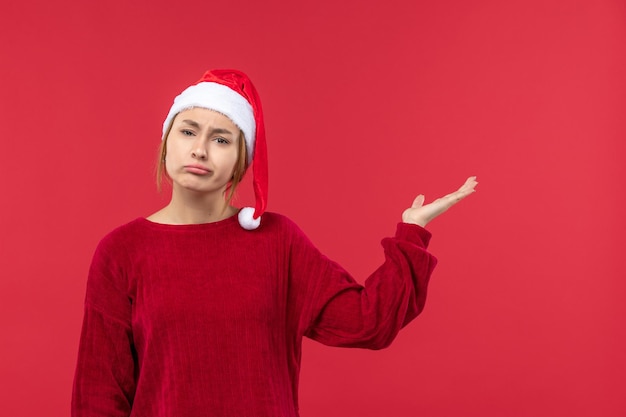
[421, 214]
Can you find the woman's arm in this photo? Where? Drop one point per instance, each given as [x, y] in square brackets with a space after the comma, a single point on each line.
[104, 381]
[341, 312]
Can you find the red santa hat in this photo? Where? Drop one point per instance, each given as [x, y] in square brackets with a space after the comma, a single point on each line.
[231, 93]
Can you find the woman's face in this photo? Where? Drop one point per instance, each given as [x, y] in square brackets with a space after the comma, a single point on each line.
[201, 150]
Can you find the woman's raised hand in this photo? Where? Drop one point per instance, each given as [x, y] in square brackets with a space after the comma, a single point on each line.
[421, 214]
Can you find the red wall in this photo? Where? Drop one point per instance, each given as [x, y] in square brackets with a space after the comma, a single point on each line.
[367, 104]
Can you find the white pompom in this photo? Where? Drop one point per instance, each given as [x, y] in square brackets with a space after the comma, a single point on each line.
[246, 219]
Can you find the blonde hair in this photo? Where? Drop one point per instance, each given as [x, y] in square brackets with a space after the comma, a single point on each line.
[241, 165]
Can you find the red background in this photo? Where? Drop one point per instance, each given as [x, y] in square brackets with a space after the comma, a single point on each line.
[367, 104]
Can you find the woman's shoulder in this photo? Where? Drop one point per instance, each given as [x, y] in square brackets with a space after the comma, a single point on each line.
[279, 222]
[133, 227]
[273, 219]
[284, 228]
[124, 234]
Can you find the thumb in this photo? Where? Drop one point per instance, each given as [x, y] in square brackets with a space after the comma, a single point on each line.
[418, 202]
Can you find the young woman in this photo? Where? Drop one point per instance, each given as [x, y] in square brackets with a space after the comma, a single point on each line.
[200, 308]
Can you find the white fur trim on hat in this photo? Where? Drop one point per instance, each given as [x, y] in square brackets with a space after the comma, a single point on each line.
[247, 220]
[222, 99]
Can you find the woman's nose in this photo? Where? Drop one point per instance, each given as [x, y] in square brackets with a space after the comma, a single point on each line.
[199, 152]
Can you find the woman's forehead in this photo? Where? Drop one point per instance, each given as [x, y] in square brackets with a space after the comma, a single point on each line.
[206, 118]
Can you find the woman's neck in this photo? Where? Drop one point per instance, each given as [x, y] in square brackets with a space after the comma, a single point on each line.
[188, 207]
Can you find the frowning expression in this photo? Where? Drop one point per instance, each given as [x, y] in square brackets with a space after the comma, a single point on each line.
[201, 150]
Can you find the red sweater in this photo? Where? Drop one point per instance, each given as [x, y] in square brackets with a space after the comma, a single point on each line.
[208, 319]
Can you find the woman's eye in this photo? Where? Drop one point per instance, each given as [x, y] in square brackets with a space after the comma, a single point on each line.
[187, 132]
[221, 140]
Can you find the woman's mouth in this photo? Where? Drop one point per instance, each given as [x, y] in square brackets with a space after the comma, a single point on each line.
[197, 169]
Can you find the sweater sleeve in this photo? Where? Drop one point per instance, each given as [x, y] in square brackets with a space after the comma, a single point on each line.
[104, 381]
[341, 312]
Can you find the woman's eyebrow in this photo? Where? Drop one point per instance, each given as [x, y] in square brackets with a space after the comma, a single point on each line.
[195, 124]
[192, 123]
[220, 131]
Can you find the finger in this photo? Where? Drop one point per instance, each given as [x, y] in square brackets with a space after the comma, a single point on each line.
[467, 188]
[470, 183]
[418, 202]
[460, 194]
